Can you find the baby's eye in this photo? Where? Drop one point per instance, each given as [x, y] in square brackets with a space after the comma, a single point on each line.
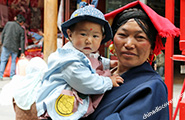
[83, 34]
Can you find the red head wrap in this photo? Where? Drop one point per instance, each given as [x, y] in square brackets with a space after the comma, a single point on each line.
[163, 26]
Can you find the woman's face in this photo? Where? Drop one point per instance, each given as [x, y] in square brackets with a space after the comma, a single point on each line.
[132, 45]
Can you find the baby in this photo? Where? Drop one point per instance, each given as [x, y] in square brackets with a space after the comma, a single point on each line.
[71, 79]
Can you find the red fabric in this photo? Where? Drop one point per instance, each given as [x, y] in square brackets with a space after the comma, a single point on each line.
[34, 3]
[3, 15]
[18, 2]
[3, 2]
[164, 27]
[34, 52]
[20, 8]
[8, 67]
[14, 2]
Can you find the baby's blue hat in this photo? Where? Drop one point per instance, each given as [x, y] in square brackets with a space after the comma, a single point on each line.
[91, 14]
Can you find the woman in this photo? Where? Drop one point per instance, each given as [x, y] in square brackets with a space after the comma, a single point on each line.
[143, 94]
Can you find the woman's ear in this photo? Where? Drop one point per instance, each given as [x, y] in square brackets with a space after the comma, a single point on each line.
[103, 37]
[69, 33]
[151, 51]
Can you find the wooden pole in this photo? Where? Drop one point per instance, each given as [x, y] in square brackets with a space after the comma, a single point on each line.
[50, 27]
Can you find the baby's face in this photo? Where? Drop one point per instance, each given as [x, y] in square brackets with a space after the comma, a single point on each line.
[86, 36]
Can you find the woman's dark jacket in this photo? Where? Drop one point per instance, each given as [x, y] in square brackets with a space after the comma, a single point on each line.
[142, 96]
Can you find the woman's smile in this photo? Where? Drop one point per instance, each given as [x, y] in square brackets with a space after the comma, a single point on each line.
[128, 54]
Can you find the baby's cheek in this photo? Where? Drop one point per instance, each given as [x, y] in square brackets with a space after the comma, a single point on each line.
[77, 45]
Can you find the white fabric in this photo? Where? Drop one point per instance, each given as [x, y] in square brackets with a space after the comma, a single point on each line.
[23, 88]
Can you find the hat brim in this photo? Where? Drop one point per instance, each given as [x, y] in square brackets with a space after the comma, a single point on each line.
[104, 23]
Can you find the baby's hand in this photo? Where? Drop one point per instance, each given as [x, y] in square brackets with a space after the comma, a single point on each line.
[116, 79]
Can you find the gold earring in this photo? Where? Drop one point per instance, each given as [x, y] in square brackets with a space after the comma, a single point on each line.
[153, 58]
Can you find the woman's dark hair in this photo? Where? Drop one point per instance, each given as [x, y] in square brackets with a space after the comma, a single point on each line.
[142, 20]
[20, 18]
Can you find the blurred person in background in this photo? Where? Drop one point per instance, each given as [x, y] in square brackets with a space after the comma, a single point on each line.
[12, 38]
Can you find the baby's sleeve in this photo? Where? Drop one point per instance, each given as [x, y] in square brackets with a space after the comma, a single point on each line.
[82, 79]
[106, 63]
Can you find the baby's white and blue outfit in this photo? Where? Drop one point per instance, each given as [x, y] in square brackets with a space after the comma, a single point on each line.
[69, 73]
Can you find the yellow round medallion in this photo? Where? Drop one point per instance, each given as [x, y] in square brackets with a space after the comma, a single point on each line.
[64, 105]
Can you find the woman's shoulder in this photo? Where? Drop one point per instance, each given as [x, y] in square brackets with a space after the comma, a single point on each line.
[152, 86]
[156, 80]
[145, 80]
[153, 78]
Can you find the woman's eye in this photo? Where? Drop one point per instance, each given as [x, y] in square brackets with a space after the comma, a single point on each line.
[122, 34]
[140, 38]
[95, 36]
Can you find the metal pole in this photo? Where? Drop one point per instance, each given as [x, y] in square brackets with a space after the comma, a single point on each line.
[169, 51]
[182, 26]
